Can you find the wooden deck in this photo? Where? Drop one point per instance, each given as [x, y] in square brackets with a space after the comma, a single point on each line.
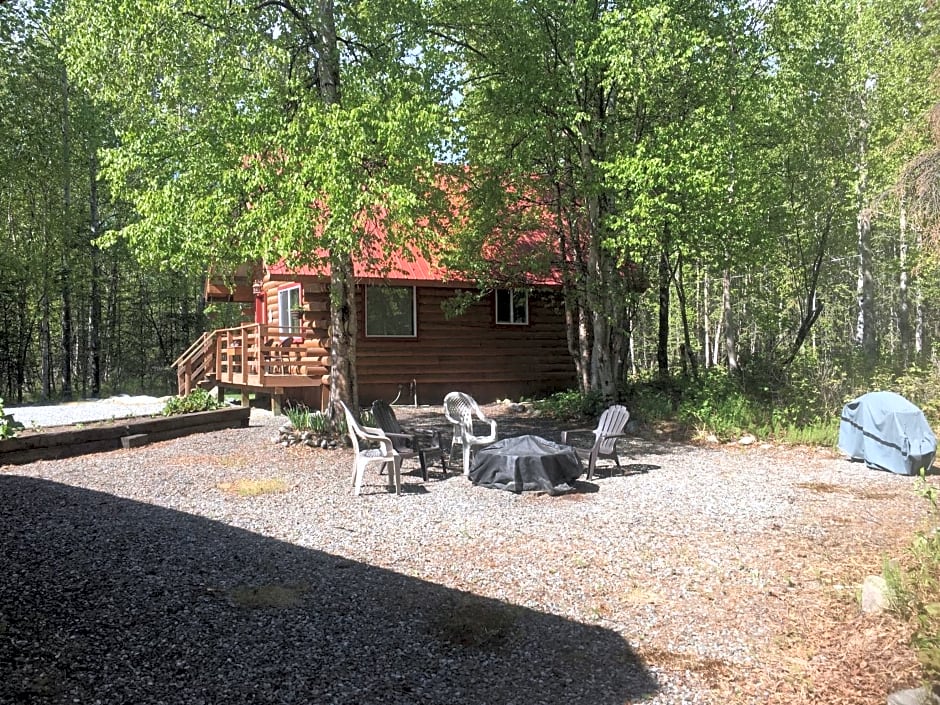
[255, 357]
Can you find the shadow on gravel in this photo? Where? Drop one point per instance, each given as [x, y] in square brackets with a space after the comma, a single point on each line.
[104, 599]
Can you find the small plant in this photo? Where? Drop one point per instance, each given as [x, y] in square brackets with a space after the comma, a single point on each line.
[303, 419]
[196, 400]
[8, 426]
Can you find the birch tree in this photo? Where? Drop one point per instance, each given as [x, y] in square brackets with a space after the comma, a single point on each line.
[274, 130]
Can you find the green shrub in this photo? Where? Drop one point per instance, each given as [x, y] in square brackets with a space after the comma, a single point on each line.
[8, 427]
[197, 400]
[571, 404]
[915, 588]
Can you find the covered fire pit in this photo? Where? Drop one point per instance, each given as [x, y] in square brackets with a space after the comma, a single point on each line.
[526, 463]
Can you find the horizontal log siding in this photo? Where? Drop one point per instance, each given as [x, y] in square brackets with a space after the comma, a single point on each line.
[470, 352]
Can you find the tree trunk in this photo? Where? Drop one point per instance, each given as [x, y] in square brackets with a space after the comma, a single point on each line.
[343, 318]
[45, 347]
[905, 332]
[687, 356]
[865, 324]
[706, 322]
[65, 273]
[662, 339]
[920, 327]
[94, 298]
[66, 329]
[731, 333]
[343, 384]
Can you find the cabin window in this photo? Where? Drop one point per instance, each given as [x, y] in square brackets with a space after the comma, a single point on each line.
[512, 307]
[390, 311]
[288, 300]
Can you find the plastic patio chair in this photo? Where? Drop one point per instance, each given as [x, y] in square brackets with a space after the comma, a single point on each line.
[384, 455]
[423, 443]
[609, 430]
[460, 410]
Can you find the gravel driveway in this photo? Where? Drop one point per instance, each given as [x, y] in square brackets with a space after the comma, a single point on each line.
[701, 575]
[117, 407]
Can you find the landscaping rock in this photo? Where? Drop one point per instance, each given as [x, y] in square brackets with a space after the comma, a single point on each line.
[914, 696]
[875, 596]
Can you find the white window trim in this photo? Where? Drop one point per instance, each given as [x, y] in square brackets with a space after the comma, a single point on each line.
[414, 312]
[284, 319]
[513, 293]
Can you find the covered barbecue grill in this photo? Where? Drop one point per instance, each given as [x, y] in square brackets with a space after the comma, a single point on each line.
[887, 432]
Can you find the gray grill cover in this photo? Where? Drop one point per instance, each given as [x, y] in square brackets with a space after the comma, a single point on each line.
[887, 432]
[526, 463]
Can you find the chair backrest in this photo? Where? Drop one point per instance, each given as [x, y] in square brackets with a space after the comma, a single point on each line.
[352, 427]
[459, 409]
[385, 416]
[611, 422]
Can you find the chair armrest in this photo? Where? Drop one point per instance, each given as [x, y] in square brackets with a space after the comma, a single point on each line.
[572, 431]
[372, 433]
[403, 441]
[429, 435]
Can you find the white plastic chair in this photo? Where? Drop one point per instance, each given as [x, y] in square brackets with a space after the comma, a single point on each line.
[609, 430]
[460, 409]
[385, 454]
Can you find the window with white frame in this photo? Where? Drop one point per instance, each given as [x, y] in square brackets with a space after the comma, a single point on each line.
[390, 312]
[512, 307]
[288, 300]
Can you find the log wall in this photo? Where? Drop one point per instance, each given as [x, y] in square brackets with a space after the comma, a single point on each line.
[469, 353]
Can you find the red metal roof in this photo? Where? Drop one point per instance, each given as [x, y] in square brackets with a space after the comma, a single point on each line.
[374, 264]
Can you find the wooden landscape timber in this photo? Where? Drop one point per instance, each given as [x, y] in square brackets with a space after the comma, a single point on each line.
[114, 435]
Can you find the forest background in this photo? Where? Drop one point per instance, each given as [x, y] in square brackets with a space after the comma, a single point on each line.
[768, 167]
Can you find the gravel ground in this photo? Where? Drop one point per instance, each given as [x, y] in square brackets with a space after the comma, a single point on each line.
[701, 575]
[117, 407]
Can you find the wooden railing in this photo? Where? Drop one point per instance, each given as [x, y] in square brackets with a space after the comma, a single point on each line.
[255, 355]
[194, 365]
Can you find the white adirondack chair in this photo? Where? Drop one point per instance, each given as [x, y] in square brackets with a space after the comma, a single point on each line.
[609, 430]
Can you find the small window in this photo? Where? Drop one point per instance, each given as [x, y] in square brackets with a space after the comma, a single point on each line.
[390, 311]
[288, 300]
[512, 307]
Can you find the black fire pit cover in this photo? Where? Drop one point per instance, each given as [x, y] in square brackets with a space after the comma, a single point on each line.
[526, 463]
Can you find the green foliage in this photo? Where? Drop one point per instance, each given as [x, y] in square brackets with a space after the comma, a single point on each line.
[917, 384]
[915, 587]
[784, 404]
[8, 427]
[303, 419]
[196, 400]
[571, 405]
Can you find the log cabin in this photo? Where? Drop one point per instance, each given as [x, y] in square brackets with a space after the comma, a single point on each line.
[508, 343]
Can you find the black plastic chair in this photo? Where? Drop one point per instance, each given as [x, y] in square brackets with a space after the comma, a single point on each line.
[422, 443]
